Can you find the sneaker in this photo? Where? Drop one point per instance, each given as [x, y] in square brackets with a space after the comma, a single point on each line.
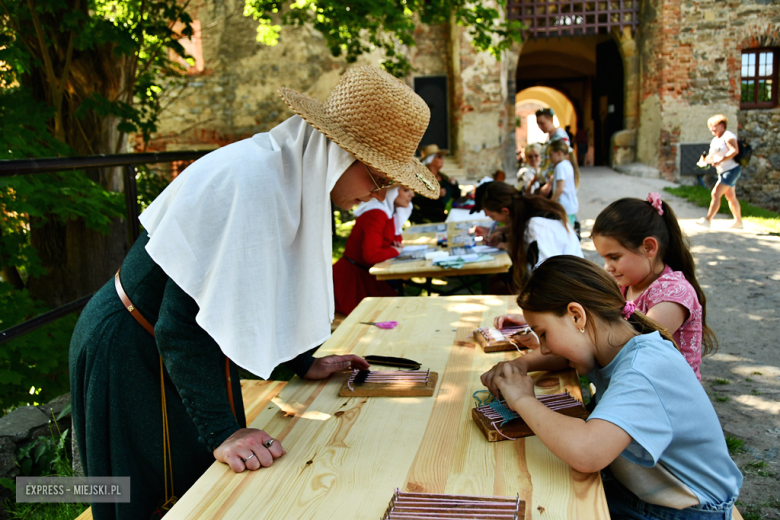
[703, 222]
[737, 225]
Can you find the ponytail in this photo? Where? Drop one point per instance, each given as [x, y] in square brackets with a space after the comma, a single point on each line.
[564, 279]
[499, 195]
[630, 221]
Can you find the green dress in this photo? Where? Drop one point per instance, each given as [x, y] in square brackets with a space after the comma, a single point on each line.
[116, 395]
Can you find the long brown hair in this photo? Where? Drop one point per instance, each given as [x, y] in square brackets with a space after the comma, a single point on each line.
[499, 195]
[561, 280]
[630, 221]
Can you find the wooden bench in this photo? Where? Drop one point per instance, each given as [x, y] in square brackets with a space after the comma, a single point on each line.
[256, 396]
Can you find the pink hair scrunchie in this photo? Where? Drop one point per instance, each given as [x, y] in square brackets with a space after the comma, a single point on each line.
[655, 200]
[628, 310]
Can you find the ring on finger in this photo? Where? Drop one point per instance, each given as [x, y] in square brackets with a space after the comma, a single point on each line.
[268, 443]
[249, 457]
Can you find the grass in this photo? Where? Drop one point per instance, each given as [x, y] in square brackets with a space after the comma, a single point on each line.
[756, 373]
[722, 382]
[757, 467]
[722, 398]
[748, 380]
[756, 392]
[700, 196]
[735, 444]
[753, 511]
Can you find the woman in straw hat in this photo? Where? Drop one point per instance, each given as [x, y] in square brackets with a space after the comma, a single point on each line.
[236, 259]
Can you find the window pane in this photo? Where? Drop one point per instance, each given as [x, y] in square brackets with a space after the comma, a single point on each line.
[747, 70]
[765, 64]
[764, 90]
[748, 92]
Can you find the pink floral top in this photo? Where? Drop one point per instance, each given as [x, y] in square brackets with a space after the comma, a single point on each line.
[672, 286]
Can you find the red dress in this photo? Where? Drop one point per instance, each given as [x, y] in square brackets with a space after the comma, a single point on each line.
[369, 243]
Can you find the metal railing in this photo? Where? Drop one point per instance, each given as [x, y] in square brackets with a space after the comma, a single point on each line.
[60, 164]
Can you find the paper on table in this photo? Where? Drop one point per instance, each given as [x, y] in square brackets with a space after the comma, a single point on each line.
[412, 249]
[448, 258]
[484, 249]
[436, 254]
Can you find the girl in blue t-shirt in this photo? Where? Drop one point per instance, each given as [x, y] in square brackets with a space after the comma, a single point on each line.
[653, 431]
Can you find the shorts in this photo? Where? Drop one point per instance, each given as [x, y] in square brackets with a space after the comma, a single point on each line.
[625, 505]
[729, 178]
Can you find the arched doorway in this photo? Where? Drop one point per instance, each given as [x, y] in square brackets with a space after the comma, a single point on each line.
[584, 71]
[528, 101]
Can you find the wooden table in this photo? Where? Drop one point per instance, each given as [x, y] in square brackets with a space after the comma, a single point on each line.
[390, 270]
[345, 456]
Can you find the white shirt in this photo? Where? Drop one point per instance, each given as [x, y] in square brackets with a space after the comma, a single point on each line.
[552, 237]
[564, 171]
[719, 149]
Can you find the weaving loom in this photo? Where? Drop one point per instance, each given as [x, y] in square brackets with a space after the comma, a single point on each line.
[424, 506]
[499, 423]
[389, 383]
[494, 340]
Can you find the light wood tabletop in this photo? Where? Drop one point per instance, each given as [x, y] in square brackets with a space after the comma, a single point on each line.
[347, 455]
[421, 235]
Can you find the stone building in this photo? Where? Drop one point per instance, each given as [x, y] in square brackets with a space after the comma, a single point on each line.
[641, 77]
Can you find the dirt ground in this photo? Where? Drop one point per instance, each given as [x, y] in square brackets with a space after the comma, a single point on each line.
[740, 274]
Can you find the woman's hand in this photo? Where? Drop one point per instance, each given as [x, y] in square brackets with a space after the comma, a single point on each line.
[248, 448]
[509, 319]
[489, 378]
[514, 384]
[325, 366]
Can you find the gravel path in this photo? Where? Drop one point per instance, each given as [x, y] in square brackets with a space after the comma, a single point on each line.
[740, 273]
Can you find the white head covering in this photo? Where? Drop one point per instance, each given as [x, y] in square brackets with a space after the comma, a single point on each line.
[245, 231]
[388, 207]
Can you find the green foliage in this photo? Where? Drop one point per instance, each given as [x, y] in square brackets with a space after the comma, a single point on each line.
[39, 359]
[69, 71]
[352, 28]
[700, 196]
[722, 398]
[735, 444]
[150, 185]
[722, 382]
[46, 456]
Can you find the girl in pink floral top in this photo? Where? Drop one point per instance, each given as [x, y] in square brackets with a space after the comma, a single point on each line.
[645, 250]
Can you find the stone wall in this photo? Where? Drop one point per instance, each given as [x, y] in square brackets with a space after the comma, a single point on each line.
[760, 181]
[690, 55]
[235, 95]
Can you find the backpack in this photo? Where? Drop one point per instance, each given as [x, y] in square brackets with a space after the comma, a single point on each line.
[744, 154]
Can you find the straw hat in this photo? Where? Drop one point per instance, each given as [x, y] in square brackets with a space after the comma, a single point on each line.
[376, 118]
[431, 149]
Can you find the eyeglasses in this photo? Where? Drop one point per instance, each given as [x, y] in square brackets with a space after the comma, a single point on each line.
[379, 187]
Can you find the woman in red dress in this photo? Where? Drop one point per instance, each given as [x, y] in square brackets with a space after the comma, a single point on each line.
[375, 238]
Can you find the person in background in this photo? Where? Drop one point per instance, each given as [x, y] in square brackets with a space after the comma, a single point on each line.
[545, 121]
[565, 180]
[499, 176]
[582, 144]
[376, 237]
[429, 210]
[526, 175]
[534, 229]
[723, 149]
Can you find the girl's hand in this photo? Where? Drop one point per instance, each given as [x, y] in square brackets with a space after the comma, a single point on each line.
[489, 378]
[545, 190]
[528, 340]
[514, 384]
[246, 449]
[325, 366]
[397, 243]
[509, 319]
[481, 231]
[400, 249]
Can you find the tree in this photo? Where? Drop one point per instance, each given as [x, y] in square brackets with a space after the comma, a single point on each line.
[76, 76]
[355, 27]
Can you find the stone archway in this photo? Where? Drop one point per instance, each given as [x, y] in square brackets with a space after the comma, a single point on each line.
[529, 100]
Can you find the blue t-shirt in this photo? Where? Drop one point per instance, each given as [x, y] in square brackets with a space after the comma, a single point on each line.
[564, 171]
[650, 391]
